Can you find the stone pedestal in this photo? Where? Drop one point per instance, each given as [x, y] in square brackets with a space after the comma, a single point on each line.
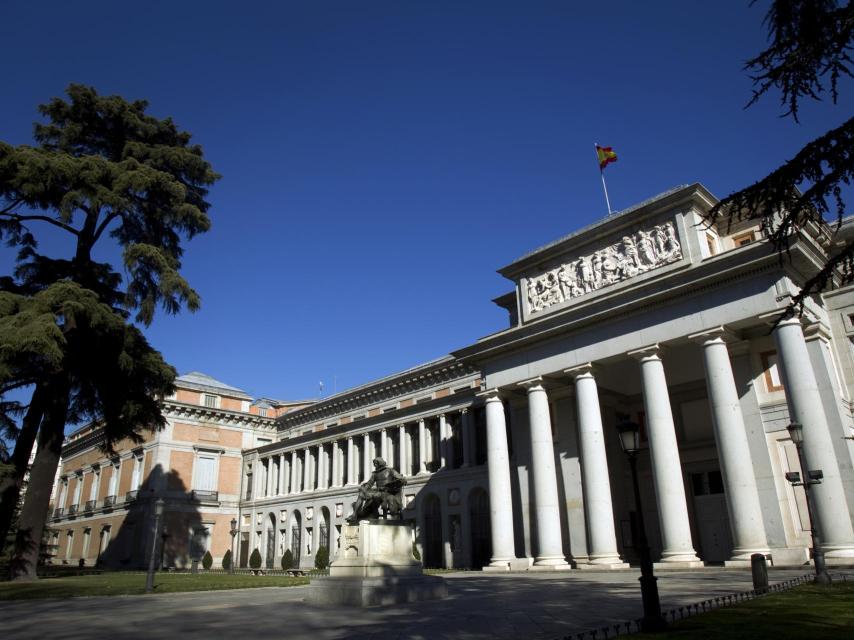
[375, 567]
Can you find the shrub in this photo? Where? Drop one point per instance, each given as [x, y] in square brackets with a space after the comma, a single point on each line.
[287, 560]
[321, 558]
[207, 561]
[226, 560]
[255, 560]
[415, 552]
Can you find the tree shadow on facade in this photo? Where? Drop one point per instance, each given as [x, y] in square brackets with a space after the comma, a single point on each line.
[181, 537]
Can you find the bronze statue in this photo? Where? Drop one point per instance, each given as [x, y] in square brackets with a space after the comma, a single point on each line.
[382, 492]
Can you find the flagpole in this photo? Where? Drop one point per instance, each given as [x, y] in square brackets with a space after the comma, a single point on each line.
[602, 175]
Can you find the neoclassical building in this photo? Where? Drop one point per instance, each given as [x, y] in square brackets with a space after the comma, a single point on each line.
[510, 445]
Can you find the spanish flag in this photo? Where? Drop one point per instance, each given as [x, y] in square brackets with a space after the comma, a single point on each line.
[606, 156]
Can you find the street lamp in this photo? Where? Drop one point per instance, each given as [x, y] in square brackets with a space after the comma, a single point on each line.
[814, 476]
[233, 534]
[158, 511]
[652, 620]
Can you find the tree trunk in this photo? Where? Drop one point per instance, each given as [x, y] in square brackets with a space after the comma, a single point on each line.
[11, 483]
[34, 513]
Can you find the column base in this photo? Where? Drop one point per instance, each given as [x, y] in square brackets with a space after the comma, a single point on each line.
[604, 566]
[499, 566]
[550, 567]
[741, 557]
[679, 564]
[550, 563]
[838, 552]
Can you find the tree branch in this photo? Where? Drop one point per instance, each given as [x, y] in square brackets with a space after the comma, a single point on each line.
[104, 224]
[19, 218]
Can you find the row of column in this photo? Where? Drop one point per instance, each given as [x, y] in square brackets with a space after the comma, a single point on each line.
[295, 471]
[741, 491]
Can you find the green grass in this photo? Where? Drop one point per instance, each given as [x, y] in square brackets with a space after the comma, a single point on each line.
[115, 584]
[808, 611]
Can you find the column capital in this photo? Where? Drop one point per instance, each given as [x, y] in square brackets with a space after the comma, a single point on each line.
[464, 410]
[817, 331]
[585, 370]
[490, 395]
[714, 335]
[651, 352]
[534, 384]
[440, 415]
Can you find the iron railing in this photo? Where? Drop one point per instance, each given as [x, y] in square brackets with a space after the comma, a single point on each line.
[72, 510]
[131, 496]
[90, 505]
[109, 501]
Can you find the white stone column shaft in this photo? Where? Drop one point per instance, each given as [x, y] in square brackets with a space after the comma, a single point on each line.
[676, 542]
[544, 476]
[401, 445]
[500, 505]
[805, 407]
[307, 479]
[294, 480]
[422, 446]
[351, 475]
[742, 495]
[367, 457]
[444, 443]
[594, 471]
[282, 474]
[336, 464]
[384, 447]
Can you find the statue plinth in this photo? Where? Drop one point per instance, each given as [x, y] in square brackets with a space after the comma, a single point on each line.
[375, 566]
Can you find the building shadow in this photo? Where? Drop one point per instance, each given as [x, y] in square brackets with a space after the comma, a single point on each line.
[126, 543]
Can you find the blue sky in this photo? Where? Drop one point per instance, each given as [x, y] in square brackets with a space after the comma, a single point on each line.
[381, 160]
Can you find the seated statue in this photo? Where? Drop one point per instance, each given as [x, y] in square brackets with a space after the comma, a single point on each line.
[383, 492]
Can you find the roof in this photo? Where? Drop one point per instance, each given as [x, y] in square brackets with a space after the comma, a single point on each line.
[203, 382]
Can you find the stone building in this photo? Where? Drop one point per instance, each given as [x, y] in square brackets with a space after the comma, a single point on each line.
[510, 447]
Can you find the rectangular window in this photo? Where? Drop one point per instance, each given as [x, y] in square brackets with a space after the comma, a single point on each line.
[743, 239]
[773, 381]
[262, 411]
[712, 244]
[69, 542]
[211, 401]
[87, 538]
[136, 476]
[206, 473]
[93, 490]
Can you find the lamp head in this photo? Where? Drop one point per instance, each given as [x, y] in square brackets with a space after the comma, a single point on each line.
[629, 436]
[158, 506]
[233, 525]
[796, 432]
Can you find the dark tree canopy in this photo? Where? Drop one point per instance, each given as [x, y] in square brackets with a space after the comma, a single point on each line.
[810, 42]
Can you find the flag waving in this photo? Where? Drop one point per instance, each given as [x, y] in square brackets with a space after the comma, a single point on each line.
[606, 156]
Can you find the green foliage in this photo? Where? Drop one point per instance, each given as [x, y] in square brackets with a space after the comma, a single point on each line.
[321, 558]
[207, 561]
[415, 553]
[226, 560]
[287, 560]
[255, 559]
[810, 41]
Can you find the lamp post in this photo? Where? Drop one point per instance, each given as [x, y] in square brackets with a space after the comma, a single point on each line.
[652, 619]
[233, 534]
[149, 578]
[813, 476]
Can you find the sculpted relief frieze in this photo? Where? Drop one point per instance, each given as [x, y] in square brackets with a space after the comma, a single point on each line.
[633, 255]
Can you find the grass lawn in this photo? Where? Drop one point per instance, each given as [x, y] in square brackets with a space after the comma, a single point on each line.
[808, 611]
[114, 584]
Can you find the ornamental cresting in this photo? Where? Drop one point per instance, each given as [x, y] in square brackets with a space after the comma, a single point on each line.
[634, 254]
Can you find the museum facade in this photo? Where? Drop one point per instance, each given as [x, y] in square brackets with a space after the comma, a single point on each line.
[510, 445]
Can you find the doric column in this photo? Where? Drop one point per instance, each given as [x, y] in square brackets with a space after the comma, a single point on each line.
[594, 471]
[384, 447]
[367, 457]
[351, 473]
[465, 435]
[336, 464]
[294, 480]
[401, 446]
[805, 406]
[500, 505]
[444, 442]
[322, 467]
[307, 483]
[666, 467]
[422, 446]
[283, 478]
[742, 495]
[544, 475]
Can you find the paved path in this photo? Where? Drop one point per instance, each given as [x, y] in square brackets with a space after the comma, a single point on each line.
[479, 607]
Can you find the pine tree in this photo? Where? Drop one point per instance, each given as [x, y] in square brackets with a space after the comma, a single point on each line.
[808, 54]
[102, 168]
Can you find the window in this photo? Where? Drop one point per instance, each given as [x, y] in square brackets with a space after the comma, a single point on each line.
[93, 490]
[69, 542]
[78, 485]
[712, 244]
[206, 473]
[743, 239]
[136, 476]
[773, 381]
[260, 442]
[248, 482]
[114, 478]
[262, 411]
[87, 538]
[707, 483]
[308, 532]
[210, 400]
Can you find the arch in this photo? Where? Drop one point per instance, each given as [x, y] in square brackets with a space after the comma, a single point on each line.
[432, 532]
[296, 536]
[481, 531]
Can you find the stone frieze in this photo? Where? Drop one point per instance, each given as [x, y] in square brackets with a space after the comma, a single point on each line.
[633, 255]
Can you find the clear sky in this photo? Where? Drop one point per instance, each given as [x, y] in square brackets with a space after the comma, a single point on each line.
[381, 160]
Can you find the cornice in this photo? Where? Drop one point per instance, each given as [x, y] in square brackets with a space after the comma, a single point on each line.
[224, 417]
